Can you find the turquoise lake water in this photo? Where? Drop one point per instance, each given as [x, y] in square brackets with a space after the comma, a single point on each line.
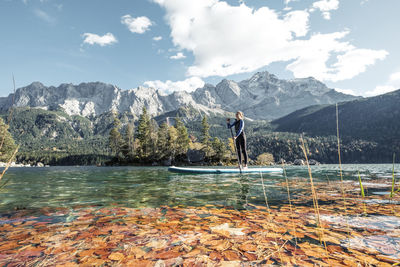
[136, 187]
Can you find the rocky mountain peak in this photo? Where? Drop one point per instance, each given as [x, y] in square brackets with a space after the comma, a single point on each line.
[311, 85]
[262, 96]
[227, 87]
[35, 85]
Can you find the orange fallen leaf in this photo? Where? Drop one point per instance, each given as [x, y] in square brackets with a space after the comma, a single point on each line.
[297, 234]
[332, 262]
[333, 249]
[101, 252]
[215, 256]
[68, 264]
[230, 264]
[231, 255]
[116, 256]
[167, 255]
[250, 256]
[8, 246]
[94, 262]
[248, 247]
[220, 244]
[84, 253]
[192, 253]
[137, 252]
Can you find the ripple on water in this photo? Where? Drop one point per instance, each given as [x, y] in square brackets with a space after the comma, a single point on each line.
[384, 223]
[386, 245]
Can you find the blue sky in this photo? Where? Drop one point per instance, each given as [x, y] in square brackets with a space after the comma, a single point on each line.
[352, 46]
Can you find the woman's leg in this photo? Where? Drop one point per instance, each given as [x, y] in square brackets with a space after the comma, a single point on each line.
[244, 151]
[238, 150]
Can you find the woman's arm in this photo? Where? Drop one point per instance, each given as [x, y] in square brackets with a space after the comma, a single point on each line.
[229, 124]
[241, 127]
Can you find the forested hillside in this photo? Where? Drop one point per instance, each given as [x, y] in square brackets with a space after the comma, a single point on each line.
[370, 126]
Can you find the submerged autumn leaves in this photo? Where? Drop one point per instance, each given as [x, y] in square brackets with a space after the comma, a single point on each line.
[362, 232]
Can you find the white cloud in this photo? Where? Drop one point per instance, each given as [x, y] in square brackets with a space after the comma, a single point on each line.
[179, 55]
[136, 25]
[188, 85]
[315, 52]
[325, 6]
[346, 91]
[391, 85]
[43, 15]
[157, 38]
[287, 2]
[381, 89]
[107, 39]
[228, 40]
[395, 78]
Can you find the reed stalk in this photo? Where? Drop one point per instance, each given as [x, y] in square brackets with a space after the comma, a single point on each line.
[329, 181]
[393, 180]
[269, 217]
[362, 192]
[340, 159]
[9, 163]
[314, 197]
[290, 203]
[361, 186]
[4, 136]
[341, 170]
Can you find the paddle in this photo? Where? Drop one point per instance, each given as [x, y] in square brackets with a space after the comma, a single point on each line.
[237, 152]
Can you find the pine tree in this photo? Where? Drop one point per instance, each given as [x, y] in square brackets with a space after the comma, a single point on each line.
[183, 140]
[219, 149]
[153, 140]
[162, 141]
[143, 135]
[172, 142]
[7, 144]
[129, 145]
[205, 138]
[115, 138]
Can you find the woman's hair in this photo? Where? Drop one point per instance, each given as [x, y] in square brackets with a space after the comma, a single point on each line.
[240, 115]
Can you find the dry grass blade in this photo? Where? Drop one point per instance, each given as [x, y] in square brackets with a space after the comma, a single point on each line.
[9, 163]
[362, 192]
[314, 195]
[341, 170]
[393, 180]
[339, 155]
[269, 217]
[290, 201]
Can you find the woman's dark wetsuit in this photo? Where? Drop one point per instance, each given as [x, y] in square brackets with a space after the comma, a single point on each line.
[240, 140]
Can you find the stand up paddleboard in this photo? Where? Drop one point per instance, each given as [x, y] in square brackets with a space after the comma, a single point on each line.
[222, 170]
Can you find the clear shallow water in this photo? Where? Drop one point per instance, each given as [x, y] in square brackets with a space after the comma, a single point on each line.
[35, 188]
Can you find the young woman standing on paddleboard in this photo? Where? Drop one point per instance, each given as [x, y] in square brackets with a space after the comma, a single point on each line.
[240, 137]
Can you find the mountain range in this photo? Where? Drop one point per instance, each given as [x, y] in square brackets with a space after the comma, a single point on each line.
[262, 97]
